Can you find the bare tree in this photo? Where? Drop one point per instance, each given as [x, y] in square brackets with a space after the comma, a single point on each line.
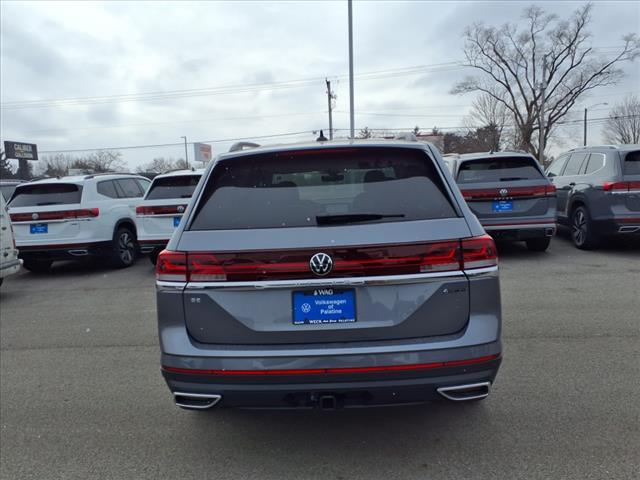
[623, 124]
[489, 114]
[365, 133]
[512, 60]
[55, 165]
[162, 165]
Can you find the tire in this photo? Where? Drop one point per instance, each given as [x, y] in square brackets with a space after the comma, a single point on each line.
[582, 232]
[153, 256]
[37, 265]
[124, 248]
[538, 244]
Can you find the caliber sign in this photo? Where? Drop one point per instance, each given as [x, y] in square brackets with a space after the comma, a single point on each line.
[21, 151]
[202, 152]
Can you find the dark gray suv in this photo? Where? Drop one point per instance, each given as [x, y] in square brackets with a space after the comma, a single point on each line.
[598, 192]
[328, 275]
[509, 194]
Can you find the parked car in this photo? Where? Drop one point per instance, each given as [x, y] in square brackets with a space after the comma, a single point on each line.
[77, 217]
[598, 192]
[7, 187]
[510, 195]
[334, 274]
[9, 262]
[160, 212]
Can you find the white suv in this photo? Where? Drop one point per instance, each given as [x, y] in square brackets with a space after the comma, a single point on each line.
[9, 262]
[77, 216]
[161, 210]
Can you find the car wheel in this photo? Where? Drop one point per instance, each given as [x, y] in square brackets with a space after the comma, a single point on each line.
[538, 244]
[37, 265]
[582, 232]
[124, 248]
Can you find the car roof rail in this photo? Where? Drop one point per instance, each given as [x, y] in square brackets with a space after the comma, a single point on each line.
[92, 175]
[239, 146]
[408, 136]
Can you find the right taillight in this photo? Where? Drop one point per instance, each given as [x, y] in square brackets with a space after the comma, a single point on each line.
[616, 187]
[479, 252]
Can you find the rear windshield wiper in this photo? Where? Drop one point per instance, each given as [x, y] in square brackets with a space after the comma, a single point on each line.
[507, 179]
[42, 204]
[353, 218]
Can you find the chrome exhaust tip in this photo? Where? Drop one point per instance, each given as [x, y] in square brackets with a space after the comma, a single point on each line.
[550, 231]
[462, 393]
[78, 252]
[628, 229]
[196, 401]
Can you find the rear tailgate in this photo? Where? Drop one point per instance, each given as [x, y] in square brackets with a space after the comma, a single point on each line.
[502, 189]
[631, 176]
[47, 213]
[262, 219]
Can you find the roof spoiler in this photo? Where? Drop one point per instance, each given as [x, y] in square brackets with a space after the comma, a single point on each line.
[239, 146]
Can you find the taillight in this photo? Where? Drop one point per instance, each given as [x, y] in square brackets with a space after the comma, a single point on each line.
[509, 192]
[160, 210]
[620, 187]
[479, 252]
[172, 266]
[57, 215]
[386, 260]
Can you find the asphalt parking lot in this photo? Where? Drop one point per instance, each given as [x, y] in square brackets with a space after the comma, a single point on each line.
[81, 394]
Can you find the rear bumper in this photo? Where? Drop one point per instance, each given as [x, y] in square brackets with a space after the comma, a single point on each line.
[623, 226]
[148, 246]
[64, 251]
[10, 267]
[521, 231]
[328, 391]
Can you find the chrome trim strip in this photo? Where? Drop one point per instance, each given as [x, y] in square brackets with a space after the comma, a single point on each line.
[510, 226]
[161, 285]
[486, 271]
[445, 391]
[326, 282]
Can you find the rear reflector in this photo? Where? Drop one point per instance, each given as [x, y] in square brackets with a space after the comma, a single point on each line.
[57, 215]
[512, 192]
[621, 187]
[451, 255]
[160, 210]
[321, 371]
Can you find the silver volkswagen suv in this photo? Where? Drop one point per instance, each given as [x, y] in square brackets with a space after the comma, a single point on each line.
[328, 275]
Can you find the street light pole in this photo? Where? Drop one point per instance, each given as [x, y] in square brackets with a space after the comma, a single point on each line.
[584, 138]
[186, 155]
[351, 114]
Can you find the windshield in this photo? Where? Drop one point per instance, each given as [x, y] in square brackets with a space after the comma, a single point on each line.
[501, 169]
[46, 194]
[173, 187]
[311, 188]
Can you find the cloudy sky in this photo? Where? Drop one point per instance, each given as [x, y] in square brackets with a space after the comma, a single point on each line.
[117, 74]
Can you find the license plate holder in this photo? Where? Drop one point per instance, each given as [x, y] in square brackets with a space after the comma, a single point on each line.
[323, 306]
[502, 206]
[38, 228]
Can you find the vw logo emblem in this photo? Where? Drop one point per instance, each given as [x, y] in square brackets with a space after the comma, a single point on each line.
[321, 264]
[35, 216]
[504, 192]
[180, 208]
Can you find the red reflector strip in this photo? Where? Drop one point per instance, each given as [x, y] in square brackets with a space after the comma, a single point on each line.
[57, 215]
[161, 210]
[321, 371]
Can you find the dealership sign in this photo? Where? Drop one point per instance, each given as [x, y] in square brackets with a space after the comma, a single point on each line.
[21, 151]
[202, 152]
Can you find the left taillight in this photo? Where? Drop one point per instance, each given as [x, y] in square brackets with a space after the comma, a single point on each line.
[172, 267]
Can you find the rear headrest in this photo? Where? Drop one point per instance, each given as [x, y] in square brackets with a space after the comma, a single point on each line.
[374, 176]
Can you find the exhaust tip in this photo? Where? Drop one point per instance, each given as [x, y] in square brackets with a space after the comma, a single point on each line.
[196, 401]
[550, 231]
[462, 393]
[78, 252]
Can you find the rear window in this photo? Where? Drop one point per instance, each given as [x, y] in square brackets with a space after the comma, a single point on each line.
[632, 163]
[173, 187]
[40, 195]
[329, 187]
[501, 169]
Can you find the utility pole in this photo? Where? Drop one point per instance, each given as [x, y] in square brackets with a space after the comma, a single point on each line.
[351, 114]
[541, 126]
[330, 97]
[186, 154]
[584, 142]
